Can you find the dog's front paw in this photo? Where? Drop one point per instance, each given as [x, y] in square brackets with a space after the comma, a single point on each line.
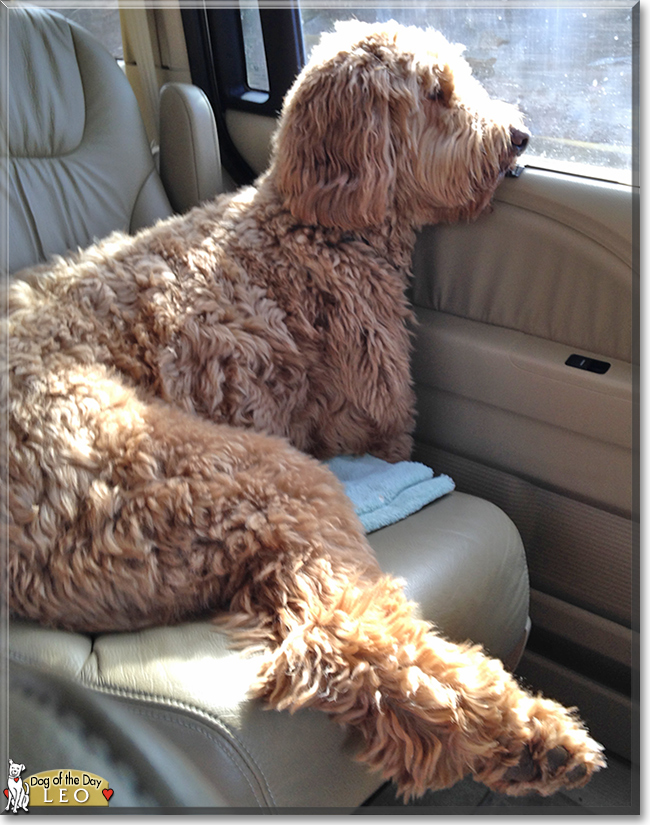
[557, 754]
[548, 771]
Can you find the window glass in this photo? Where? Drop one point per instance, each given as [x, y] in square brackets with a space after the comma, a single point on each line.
[103, 22]
[568, 68]
[257, 75]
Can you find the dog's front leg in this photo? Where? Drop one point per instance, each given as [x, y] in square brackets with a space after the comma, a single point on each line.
[430, 711]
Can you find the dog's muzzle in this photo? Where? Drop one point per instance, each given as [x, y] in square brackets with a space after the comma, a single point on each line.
[519, 139]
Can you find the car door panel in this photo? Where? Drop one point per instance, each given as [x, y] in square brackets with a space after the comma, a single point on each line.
[509, 399]
[501, 304]
[553, 273]
[251, 134]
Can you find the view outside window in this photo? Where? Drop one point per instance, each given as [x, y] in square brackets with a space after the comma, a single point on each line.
[102, 21]
[255, 55]
[568, 68]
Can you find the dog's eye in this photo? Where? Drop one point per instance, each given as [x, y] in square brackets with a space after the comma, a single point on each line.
[437, 95]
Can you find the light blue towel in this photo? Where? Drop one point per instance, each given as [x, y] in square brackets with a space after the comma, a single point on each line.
[383, 493]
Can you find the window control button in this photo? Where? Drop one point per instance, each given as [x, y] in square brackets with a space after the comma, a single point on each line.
[581, 362]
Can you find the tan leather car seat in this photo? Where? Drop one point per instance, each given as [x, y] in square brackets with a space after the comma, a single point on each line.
[80, 167]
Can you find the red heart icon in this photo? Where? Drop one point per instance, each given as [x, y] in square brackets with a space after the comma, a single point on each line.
[6, 792]
[108, 793]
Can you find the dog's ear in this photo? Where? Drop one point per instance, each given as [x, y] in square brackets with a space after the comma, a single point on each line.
[333, 152]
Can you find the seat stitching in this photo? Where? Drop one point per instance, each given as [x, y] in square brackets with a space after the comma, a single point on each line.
[165, 700]
[219, 743]
[115, 690]
[152, 173]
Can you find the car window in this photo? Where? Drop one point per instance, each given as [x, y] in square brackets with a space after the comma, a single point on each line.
[257, 74]
[568, 67]
[103, 21]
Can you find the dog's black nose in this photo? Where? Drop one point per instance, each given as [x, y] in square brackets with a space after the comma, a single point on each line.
[519, 139]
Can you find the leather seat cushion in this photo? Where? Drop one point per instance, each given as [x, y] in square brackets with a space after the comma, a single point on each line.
[190, 160]
[463, 561]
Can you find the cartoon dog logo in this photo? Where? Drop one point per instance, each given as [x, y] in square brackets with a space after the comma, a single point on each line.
[18, 791]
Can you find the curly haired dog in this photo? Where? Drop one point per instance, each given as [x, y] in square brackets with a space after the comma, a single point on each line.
[168, 395]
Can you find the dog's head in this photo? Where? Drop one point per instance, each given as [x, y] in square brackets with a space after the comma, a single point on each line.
[15, 769]
[385, 118]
